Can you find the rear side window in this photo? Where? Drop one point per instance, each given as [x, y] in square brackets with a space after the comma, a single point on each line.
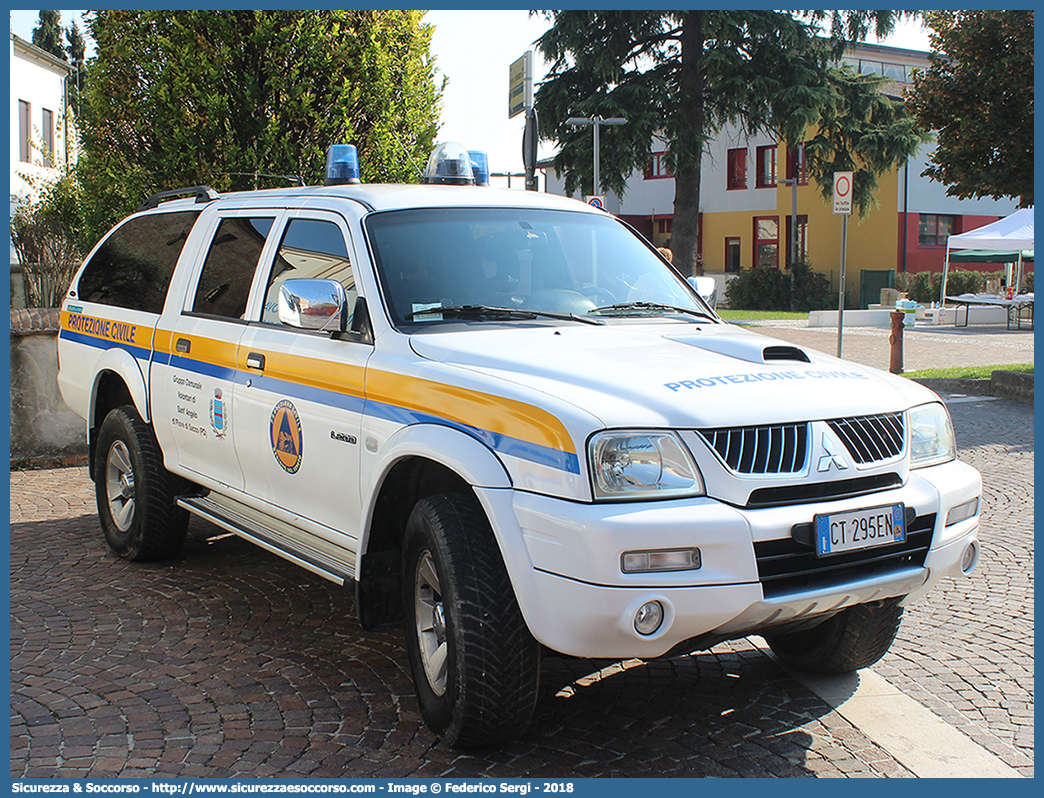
[228, 271]
[132, 268]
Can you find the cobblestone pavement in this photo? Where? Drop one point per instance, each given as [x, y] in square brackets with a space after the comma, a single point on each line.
[924, 347]
[232, 662]
[967, 652]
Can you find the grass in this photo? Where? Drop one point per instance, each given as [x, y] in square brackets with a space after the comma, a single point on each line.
[967, 372]
[760, 315]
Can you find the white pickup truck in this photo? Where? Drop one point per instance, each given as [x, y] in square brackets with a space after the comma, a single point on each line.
[509, 425]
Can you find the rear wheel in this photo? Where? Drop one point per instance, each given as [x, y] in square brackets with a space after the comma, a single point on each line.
[475, 665]
[135, 492]
[854, 638]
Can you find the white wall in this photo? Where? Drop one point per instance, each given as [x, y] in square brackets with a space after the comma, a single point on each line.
[36, 79]
[656, 196]
[928, 196]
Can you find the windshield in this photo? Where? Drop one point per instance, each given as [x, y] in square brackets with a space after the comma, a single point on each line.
[485, 262]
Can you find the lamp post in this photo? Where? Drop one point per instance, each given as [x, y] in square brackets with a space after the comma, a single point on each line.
[596, 122]
[792, 253]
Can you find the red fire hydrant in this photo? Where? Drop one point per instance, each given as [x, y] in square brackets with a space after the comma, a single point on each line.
[895, 361]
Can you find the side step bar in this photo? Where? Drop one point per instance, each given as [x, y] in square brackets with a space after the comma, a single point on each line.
[274, 536]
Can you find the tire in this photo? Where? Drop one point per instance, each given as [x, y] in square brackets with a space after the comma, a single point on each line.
[475, 666]
[854, 638]
[135, 492]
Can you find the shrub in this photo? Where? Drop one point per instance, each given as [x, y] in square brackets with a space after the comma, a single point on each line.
[924, 287]
[811, 289]
[46, 237]
[760, 288]
[768, 288]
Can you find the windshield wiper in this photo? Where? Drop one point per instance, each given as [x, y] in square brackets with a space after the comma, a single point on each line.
[494, 313]
[650, 308]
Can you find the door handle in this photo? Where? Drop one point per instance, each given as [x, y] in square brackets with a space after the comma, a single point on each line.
[183, 346]
[255, 360]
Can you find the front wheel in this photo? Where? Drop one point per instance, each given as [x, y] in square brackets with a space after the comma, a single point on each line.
[854, 638]
[135, 492]
[475, 665]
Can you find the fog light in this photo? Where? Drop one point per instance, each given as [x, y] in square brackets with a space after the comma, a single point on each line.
[648, 618]
[971, 556]
[637, 562]
[962, 512]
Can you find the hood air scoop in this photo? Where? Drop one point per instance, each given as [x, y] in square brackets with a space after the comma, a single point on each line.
[752, 351]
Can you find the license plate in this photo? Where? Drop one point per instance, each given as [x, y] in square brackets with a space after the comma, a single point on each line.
[860, 529]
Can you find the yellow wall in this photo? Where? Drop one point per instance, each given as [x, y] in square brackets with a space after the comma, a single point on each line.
[873, 241]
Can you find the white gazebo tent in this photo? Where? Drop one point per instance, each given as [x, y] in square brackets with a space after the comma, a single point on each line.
[1011, 234]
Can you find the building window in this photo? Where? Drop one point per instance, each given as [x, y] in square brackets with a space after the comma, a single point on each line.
[24, 127]
[766, 241]
[732, 255]
[767, 166]
[802, 237]
[657, 167]
[737, 169]
[796, 164]
[48, 137]
[934, 228]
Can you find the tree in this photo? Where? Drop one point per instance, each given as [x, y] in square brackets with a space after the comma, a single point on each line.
[47, 35]
[683, 75]
[226, 98]
[46, 233]
[978, 95]
[77, 50]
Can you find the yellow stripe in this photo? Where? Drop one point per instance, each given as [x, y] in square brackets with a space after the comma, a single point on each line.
[485, 411]
[209, 350]
[495, 414]
[312, 372]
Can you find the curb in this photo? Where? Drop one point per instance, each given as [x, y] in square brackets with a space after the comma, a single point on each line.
[1014, 385]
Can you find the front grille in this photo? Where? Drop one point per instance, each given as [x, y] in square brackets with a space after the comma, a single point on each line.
[821, 491]
[774, 449]
[871, 439]
[789, 565]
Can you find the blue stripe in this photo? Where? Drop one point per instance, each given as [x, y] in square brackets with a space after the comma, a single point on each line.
[505, 444]
[199, 367]
[308, 393]
[104, 343]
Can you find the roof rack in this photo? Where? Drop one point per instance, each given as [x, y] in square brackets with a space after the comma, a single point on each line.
[202, 194]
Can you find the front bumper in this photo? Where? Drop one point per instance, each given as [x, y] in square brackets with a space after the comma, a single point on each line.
[564, 562]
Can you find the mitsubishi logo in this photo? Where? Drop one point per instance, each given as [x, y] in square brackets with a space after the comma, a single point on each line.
[830, 457]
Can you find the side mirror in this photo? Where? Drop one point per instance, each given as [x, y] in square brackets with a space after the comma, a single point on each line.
[707, 288]
[313, 305]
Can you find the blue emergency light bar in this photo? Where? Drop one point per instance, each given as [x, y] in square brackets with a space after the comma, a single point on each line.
[342, 165]
[479, 167]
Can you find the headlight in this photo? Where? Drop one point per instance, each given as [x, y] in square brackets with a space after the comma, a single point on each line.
[931, 436]
[640, 464]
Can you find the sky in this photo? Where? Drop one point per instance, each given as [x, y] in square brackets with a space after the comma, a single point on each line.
[474, 50]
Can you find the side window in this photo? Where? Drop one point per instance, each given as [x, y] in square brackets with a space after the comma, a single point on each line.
[310, 249]
[228, 271]
[132, 268]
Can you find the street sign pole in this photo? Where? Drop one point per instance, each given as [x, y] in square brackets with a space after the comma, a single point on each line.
[529, 149]
[842, 206]
[841, 290]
